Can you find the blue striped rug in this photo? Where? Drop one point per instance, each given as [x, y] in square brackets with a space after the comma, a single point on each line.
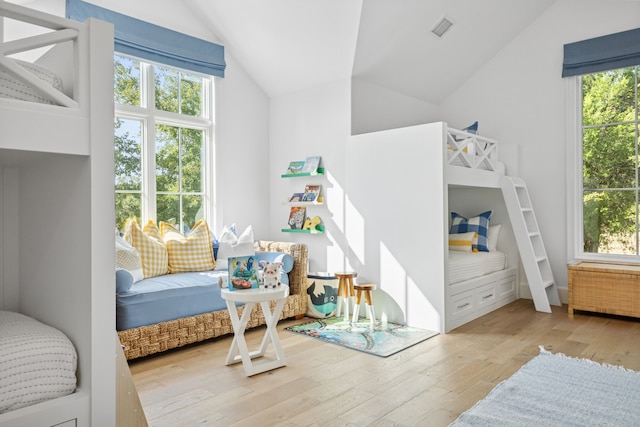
[558, 390]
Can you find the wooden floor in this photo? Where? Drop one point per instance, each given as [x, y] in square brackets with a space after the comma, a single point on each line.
[429, 384]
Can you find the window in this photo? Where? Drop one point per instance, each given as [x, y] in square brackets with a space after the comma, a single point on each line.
[163, 143]
[609, 158]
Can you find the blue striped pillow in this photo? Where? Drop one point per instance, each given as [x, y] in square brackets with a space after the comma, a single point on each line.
[479, 224]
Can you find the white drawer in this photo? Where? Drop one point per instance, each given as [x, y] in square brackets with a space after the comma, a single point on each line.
[486, 295]
[462, 304]
[506, 287]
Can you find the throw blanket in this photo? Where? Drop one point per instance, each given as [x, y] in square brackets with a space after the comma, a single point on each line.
[37, 362]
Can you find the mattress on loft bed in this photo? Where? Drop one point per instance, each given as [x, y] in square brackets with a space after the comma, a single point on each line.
[37, 362]
[467, 265]
[11, 87]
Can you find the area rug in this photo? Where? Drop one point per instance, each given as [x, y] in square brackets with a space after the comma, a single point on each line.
[557, 390]
[383, 341]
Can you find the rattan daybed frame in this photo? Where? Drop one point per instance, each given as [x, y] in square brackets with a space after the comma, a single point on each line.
[146, 340]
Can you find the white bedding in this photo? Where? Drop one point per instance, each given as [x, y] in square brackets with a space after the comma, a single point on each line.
[37, 362]
[10, 87]
[467, 265]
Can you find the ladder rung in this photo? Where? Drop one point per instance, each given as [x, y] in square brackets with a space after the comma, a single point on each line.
[549, 284]
[541, 259]
[534, 234]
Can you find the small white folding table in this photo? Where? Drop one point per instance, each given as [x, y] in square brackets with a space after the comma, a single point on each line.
[239, 350]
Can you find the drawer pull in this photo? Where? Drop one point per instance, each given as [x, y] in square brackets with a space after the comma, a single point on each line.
[463, 305]
[487, 296]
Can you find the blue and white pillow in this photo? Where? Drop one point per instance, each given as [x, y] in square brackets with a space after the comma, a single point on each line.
[479, 224]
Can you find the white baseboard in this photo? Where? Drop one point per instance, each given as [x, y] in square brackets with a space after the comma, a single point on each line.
[524, 292]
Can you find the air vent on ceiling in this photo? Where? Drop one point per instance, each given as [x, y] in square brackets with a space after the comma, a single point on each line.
[442, 26]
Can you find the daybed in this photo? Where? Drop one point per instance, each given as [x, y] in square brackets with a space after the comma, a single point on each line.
[144, 340]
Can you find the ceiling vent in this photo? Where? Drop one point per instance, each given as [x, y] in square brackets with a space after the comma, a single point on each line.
[441, 27]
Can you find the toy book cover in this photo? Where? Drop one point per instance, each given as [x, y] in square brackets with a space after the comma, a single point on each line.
[297, 215]
[311, 193]
[296, 197]
[295, 167]
[311, 164]
[243, 272]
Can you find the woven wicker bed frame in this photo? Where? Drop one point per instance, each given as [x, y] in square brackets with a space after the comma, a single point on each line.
[147, 340]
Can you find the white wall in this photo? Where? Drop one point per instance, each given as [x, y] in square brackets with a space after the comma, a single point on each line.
[312, 122]
[519, 97]
[243, 156]
[376, 108]
[395, 221]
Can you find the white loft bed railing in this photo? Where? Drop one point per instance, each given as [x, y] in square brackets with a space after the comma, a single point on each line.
[471, 151]
[471, 160]
[50, 119]
[58, 32]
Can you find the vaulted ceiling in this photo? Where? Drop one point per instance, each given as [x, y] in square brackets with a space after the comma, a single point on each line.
[288, 45]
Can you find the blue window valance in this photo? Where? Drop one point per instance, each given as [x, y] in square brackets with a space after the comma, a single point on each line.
[154, 43]
[604, 53]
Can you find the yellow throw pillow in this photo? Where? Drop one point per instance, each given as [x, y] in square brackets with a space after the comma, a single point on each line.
[150, 246]
[193, 253]
[462, 242]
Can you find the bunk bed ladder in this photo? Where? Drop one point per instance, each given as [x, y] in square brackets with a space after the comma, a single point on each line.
[532, 252]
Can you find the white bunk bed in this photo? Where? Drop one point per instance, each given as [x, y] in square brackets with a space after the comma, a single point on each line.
[478, 282]
[402, 185]
[56, 201]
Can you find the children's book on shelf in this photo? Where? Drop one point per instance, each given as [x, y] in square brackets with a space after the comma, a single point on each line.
[295, 167]
[243, 272]
[296, 197]
[296, 217]
[311, 193]
[311, 164]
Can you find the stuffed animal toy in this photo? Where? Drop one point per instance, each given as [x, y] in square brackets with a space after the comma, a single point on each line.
[271, 274]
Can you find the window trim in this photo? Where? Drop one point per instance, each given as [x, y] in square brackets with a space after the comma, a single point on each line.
[150, 116]
[575, 230]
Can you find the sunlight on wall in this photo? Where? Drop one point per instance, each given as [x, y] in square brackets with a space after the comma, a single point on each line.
[355, 231]
[420, 311]
[393, 279]
[335, 255]
[334, 195]
[400, 299]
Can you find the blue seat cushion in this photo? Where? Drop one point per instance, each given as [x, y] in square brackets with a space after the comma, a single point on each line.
[173, 296]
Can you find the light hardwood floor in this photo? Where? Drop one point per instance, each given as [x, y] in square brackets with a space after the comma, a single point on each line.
[429, 384]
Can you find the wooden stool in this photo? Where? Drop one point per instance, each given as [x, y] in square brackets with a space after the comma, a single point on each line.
[368, 301]
[345, 291]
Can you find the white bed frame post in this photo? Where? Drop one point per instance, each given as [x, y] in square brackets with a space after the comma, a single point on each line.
[56, 210]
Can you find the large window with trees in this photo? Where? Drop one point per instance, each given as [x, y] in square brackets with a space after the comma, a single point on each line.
[163, 134]
[610, 162]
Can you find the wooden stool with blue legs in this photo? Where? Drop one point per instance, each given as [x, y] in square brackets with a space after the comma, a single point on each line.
[368, 301]
[345, 292]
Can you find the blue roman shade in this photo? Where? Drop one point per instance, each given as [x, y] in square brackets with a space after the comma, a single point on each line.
[609, 52]
[154, 43]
